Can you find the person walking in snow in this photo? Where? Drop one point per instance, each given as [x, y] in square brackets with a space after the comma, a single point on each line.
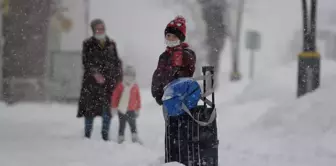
[126, 102]
[177, 61]
[102, 70]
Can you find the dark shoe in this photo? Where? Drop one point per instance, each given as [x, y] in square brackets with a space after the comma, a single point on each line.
[87, 135]
[105, 137]
[121, 139]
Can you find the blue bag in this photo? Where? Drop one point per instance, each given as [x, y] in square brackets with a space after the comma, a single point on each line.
[182, 90]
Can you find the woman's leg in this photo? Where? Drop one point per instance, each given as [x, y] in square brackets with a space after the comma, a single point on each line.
[106, 122]
[88, 125]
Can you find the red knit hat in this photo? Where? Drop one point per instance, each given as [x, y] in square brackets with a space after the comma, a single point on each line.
[177, 27]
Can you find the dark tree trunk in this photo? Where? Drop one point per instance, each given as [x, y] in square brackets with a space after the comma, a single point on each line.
[214, 16]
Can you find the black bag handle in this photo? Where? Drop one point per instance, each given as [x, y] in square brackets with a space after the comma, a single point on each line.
[211, 103]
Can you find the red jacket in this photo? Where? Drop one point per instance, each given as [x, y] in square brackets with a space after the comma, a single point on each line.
[174, 63]
[134, 103]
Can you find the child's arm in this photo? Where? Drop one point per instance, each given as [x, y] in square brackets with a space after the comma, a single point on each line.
[116, 96]
[138, 97]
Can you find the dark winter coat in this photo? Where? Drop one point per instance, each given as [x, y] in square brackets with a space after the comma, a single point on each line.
[174, 63]
[94, 97]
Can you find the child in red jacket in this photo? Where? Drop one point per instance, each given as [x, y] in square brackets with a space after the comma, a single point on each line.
[127, 102]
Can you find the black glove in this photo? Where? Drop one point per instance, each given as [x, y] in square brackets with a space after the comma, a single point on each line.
[176, 72]
[158, 101]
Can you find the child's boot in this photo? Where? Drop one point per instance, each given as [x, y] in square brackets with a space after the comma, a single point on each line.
[121, 139]
[135, 138]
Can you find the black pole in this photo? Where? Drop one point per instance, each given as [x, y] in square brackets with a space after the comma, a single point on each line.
[313, 25]
[235, 73]
[309, 59]
[305, 25]
[204, 70]
[316, 66]
[302, 75]
[211, 70]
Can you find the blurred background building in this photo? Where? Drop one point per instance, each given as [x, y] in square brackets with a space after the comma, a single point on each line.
[41, 39]
[25, 30]
[30, 30]
[41, 53]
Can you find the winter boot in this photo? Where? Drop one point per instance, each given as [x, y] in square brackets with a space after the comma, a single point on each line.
[135, 138]
[121, 139]
[105, 136]
[87, 135]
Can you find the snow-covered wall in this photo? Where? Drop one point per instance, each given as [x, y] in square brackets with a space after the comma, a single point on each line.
[75, 11]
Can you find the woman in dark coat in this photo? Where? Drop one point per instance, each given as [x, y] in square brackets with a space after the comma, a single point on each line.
[102, 70]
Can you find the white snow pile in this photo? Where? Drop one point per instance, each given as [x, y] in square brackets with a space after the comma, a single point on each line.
[311, 115]
[276, 87]
[273, 128]
[173, 164]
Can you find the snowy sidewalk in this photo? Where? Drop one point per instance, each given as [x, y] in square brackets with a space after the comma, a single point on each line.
[33, 135]
[253, 132]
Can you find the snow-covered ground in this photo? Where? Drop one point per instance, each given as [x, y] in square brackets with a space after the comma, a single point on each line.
[49, 134]
[256, 131]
